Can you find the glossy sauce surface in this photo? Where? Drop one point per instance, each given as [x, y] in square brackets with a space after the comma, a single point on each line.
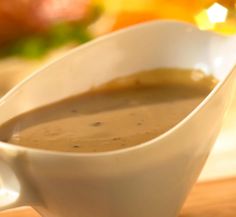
[122, 113]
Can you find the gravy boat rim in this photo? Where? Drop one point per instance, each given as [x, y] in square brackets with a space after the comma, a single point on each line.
[87, 46]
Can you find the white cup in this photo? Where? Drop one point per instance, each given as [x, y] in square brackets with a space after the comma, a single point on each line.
[149, 180]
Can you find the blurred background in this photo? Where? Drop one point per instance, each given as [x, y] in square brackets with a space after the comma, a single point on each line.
[33, 32]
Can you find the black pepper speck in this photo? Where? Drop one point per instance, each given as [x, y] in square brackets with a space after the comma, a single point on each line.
[74, 111]
[96, 124]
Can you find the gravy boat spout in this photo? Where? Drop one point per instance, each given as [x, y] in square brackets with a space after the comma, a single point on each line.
[147, 180]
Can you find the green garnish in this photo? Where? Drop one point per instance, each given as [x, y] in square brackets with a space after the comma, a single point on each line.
[37, 46]
[32, 47]
[64, 33]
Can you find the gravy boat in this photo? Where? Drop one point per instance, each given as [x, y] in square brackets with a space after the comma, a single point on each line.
[152, 179]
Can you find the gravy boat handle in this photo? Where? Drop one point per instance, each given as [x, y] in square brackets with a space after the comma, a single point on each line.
[12, 194]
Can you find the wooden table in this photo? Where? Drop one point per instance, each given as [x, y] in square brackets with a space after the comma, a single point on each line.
[210, 199]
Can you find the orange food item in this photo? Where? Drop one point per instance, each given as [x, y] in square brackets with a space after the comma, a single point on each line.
[125, 19]
[155, 9]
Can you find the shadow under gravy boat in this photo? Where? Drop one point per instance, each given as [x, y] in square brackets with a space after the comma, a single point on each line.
[148, 180]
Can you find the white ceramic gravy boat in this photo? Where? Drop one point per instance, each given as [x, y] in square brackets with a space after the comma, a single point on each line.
[148, 180]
